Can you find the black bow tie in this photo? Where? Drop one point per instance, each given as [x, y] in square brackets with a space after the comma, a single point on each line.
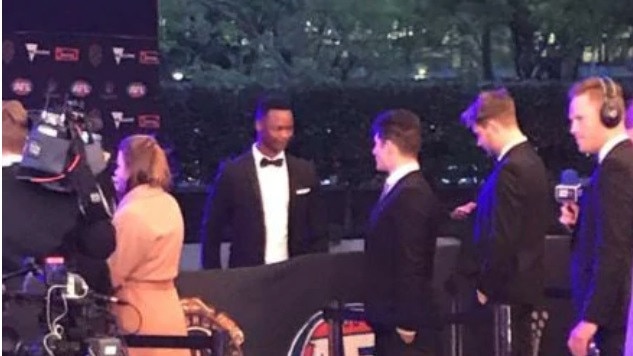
[267, 162]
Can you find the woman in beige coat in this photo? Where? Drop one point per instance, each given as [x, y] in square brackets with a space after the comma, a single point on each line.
[150, 234]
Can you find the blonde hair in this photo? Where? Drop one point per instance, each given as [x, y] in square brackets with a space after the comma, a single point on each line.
[14, 125]
[497, 105]
[146, 162]
[595, 88]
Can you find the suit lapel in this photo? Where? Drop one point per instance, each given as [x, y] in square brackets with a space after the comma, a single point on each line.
[253, 184]
[381, 203]
[293, 185]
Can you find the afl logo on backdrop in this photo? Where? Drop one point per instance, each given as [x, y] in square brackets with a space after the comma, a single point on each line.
[136, 90]
[81, 88]
[95, 55]
[22, 87]
[312, 339]
[8, 51]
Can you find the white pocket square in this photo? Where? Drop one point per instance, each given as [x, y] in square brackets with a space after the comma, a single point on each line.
[303, 191]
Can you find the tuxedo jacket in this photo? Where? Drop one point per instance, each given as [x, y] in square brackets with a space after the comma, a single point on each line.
[602, 247]
[513, 210]
[399, 255]
[234, 212]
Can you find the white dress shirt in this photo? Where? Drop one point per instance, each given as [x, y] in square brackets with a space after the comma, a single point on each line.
[395, 176]
[510, 145]
[610, 145]
[274, 186]
[8, 159]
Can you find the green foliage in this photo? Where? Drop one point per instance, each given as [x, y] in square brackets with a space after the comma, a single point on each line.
[333, 128]
[276, 43]
[344, 60]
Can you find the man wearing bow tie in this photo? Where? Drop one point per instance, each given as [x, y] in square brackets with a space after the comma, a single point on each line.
[266, 201]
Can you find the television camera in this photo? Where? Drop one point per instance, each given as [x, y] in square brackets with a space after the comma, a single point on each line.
[75, 320]
[63, 152]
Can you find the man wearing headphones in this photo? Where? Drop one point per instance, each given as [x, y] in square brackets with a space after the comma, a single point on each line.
[602, 246]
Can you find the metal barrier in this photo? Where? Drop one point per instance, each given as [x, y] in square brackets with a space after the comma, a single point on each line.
[335, 314]
[503, 330]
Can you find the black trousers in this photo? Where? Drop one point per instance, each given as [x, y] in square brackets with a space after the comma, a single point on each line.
[611, 342]
[481, 332]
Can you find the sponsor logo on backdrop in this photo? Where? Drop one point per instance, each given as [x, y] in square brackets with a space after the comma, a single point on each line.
[8, 51]
[148, 57]
[22, 86]
[120, 54]
[95, 55]
[312, 338]
[119, 117]
[136, 90]
[149, 121]
[94, 115]
[81, 88]
[51, 89]
[108, 91]
[66, 54]
[33, 50]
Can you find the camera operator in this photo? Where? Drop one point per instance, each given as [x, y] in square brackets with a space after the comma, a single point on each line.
[39, 222]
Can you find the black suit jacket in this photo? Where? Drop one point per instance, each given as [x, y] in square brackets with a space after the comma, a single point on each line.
[510, 228]
[399, 255]
[234, 210]
[602, 247]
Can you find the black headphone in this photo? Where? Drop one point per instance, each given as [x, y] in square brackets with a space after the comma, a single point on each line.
[609, 112]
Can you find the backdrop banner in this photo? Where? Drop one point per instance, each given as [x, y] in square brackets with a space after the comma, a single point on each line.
[116, 77]
[278, 306]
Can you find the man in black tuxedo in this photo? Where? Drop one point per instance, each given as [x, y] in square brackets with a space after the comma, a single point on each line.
[266, 200]
[511, 216]
[400, 243]
[602, 245]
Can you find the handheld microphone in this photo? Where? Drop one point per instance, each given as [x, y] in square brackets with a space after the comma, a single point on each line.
[570, 188]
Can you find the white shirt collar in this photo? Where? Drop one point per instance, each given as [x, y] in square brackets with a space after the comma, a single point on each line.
[9, 159]
[400, 172]
[510, 145]
[610, 145]
[258, 155]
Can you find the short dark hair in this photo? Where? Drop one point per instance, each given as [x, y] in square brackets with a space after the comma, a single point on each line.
[402, 127]
[268, 102]
[495, 104]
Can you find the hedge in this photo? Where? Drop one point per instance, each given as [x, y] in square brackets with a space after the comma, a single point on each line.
[206, 126]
